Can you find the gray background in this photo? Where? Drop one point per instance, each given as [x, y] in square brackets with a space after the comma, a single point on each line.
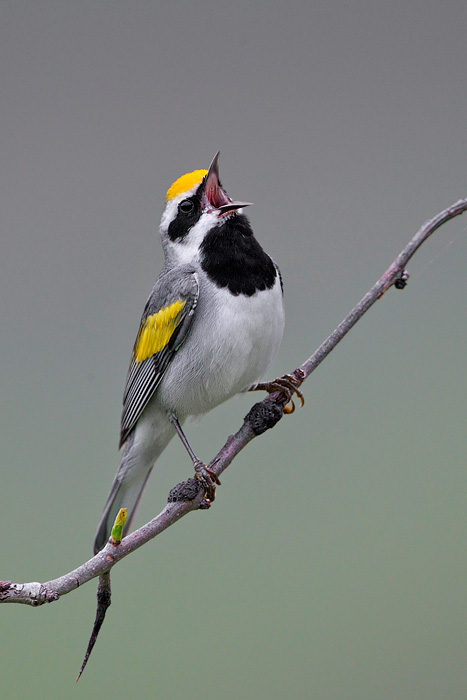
[333, 564]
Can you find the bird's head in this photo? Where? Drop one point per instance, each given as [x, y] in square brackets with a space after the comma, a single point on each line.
[196, 203]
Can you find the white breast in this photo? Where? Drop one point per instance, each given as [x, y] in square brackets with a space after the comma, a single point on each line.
[230, 346]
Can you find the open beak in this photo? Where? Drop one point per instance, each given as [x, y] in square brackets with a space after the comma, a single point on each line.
[214, 196]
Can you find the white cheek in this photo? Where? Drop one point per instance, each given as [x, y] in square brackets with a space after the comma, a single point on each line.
[187, 250]
[197, 234]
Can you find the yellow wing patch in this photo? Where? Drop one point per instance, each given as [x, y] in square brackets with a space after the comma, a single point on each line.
[185, 183]
[157, 330]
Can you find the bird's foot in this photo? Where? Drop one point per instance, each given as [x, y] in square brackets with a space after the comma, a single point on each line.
[288, 385]
[209, 480]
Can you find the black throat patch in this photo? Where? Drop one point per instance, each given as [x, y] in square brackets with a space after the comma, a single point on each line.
[232, 257]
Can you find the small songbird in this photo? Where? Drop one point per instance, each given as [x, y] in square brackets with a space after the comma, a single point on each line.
[210, 329]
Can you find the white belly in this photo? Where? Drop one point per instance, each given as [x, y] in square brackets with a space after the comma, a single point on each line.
[230, 345]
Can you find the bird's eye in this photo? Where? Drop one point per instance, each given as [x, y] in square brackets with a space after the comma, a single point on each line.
[186, 206]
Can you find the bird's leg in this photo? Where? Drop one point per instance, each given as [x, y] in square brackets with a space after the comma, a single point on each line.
[287, 385]
[207, 477]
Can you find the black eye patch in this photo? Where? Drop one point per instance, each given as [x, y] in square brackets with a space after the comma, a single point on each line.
[188, 213]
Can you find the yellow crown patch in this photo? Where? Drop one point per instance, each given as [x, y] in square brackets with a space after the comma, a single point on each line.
[185, 183]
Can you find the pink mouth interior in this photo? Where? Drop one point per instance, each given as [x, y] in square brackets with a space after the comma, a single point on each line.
[215, 194]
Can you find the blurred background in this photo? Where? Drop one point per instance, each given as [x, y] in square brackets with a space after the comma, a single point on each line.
[333, 564]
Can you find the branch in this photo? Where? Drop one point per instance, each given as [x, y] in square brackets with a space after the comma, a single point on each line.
[395, 274]
[188, 496]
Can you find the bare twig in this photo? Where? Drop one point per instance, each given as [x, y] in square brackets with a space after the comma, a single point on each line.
[38, 593]
[395, 274]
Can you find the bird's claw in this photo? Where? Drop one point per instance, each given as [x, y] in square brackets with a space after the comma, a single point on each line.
[288, 385]
[208, 479]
